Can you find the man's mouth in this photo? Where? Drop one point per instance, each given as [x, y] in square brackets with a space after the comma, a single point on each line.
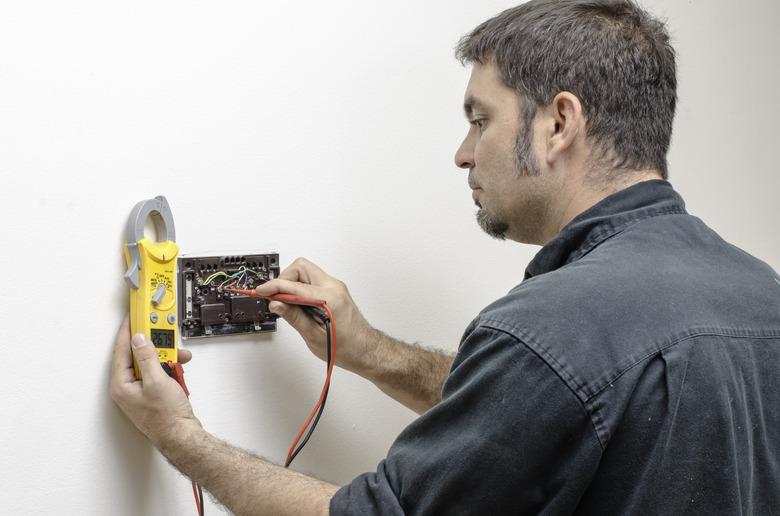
[473, 185]
[474, 190]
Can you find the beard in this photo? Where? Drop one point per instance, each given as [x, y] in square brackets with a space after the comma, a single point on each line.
[492, 226]
[527, 166]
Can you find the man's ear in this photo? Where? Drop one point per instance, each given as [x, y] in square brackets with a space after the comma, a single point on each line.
[564, 123]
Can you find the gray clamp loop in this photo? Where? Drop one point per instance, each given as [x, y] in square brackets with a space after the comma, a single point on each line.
[135, 232]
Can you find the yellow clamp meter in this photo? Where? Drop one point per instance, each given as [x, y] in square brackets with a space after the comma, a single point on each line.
[151, 276]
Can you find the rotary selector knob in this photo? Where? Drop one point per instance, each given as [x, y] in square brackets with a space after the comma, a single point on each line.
[158, 294]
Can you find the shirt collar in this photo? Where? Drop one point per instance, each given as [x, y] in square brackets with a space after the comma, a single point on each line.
[604, 219]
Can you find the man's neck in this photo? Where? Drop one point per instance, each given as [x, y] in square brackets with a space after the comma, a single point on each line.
[580, 197]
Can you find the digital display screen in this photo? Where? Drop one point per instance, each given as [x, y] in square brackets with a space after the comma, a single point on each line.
[162, 338]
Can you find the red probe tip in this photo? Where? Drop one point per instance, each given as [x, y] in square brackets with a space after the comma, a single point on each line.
[242, 291]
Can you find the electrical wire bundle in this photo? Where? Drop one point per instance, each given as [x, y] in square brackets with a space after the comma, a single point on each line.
[238, 279]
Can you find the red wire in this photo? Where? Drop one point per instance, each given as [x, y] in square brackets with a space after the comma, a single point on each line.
[324, 387]
[197, 499]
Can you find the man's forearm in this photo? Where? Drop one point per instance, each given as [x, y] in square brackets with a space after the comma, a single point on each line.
[243, 482]
[408, 373]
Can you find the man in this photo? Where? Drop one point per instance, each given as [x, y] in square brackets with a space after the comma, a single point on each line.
[631, 372]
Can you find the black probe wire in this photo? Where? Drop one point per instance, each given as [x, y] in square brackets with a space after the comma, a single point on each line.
[325, 319]
[200, 494]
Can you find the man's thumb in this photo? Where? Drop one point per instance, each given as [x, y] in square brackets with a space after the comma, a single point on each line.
[146, 356]
[288, 312]
[277, 307]
[294, 315]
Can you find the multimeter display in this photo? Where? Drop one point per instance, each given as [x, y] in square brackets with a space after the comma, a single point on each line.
[162, 338]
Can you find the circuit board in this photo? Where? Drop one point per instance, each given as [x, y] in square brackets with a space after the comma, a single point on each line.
[206, 309]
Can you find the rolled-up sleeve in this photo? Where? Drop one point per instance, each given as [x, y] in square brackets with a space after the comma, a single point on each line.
[508, 437]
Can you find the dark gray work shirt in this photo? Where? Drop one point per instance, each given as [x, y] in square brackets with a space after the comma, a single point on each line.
[635, 370]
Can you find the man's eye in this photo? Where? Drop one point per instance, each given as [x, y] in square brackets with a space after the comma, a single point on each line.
[479, 122]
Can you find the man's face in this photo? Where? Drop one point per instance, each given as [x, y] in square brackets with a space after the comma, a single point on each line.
[508, 185]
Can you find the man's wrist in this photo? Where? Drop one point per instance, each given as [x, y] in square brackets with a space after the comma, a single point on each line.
[364, 363]
[179, 436]
[243, 482]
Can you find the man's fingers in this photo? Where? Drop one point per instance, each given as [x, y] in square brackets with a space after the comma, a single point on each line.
[282, 286]
[184, 356]
[295, 316]
[146, 356]
[122, 360]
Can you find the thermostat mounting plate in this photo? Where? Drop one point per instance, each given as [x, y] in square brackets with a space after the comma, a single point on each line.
[207, 310]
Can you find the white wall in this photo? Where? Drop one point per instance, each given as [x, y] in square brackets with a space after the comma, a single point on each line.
[322, 129]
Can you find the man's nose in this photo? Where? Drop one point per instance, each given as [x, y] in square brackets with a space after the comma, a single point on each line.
[464, 157]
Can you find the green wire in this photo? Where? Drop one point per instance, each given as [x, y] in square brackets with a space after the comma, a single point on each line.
[230, 278]
[235, 275]
[210, 278]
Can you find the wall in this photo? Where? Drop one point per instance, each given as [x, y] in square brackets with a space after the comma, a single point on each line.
[318, 129]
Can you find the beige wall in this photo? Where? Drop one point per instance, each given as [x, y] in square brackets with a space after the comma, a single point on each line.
[323, 129]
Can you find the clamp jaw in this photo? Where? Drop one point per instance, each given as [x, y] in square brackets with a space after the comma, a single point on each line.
[135, 232]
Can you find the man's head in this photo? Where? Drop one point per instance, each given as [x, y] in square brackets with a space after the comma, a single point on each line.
[569, 100]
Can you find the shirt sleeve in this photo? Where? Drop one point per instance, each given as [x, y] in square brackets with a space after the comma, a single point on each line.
[508, 437]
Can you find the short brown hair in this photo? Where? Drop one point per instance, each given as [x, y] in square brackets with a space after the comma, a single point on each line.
[614, 56]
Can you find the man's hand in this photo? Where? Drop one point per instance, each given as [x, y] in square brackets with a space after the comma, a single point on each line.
[157, 404]
[303, 278]
[159, 408]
